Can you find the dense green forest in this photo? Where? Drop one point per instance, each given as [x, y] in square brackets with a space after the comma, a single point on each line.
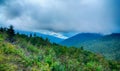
[108, 45]
[19, 52]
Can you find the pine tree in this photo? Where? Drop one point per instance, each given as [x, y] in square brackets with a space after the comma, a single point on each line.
[11, 33]
[35, 35]
[30, 36]
[82, 48]
[1, 29]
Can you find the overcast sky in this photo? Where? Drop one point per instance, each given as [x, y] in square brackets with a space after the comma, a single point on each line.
[61, 18]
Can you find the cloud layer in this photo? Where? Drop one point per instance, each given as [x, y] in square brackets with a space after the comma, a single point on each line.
[60, 16]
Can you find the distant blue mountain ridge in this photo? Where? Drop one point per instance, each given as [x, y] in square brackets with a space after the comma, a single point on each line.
[81, 37]
[44, 36]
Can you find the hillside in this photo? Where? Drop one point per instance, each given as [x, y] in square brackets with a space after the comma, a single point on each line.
[23, 53]
[109, 46]
[81, 37]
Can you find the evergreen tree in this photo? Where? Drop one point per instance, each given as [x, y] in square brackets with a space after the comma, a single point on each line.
[46, 40]
[82, 48]
[11, 33]
[35, 35]
[1, 29]
[5, 29]
[30, 35]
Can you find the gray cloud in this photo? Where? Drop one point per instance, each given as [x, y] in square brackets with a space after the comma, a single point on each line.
[59, 15]
[2, 2]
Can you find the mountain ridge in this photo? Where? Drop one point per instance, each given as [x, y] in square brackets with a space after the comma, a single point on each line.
[81, 37]
[52, 39]
[107, 45]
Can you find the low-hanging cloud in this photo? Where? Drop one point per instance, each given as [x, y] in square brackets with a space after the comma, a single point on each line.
[59, 15]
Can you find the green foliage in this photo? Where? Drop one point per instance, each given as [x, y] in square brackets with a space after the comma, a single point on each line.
[37, 54]
[31, 48]
[1, 37]
[114, 65]
[108, 46]
[94, 66]
[8, 67]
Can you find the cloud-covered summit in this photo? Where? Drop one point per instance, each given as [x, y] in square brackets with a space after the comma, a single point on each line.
[60, 16]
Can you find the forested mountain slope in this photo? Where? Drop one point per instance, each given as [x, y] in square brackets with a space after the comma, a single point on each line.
[23, 53]
[81, 37]
[109, 46]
